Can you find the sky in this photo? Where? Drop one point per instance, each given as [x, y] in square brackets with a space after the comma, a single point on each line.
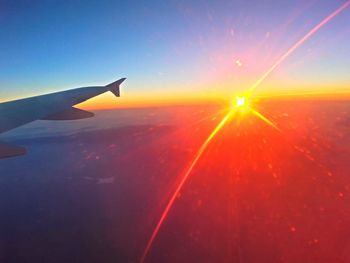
[171, 51]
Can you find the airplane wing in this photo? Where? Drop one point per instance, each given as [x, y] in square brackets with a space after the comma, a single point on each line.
[55, 106]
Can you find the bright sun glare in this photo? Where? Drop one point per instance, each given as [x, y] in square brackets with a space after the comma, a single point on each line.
[240, 101]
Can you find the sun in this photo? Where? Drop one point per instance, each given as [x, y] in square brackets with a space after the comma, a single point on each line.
[240, 101]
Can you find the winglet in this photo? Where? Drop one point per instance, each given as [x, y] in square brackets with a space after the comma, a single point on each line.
[114, 87]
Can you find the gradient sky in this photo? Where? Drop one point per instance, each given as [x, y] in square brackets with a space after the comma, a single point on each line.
[170, 50]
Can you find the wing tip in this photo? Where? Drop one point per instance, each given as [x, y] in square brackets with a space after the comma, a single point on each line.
[114, 87]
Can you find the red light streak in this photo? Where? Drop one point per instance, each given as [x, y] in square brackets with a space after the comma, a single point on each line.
[227, 117]
[262, 117]
[183, 181]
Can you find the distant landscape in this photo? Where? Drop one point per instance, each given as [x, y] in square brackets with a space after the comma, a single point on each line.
[93, 190]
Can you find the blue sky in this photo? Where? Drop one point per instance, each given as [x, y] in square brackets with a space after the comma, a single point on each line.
[166, 47]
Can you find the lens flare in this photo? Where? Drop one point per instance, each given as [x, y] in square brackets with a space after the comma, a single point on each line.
[266, 120]
[298, 44]
[240, 103]
[183, 181]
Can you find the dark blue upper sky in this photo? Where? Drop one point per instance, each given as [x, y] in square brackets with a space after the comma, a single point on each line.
[167, 46]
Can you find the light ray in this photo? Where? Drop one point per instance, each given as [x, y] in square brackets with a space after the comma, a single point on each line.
[240, 103]
[262, 117]
[297, 45]
[183, 181]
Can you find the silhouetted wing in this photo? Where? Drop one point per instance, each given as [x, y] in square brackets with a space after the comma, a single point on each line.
[54, 106]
